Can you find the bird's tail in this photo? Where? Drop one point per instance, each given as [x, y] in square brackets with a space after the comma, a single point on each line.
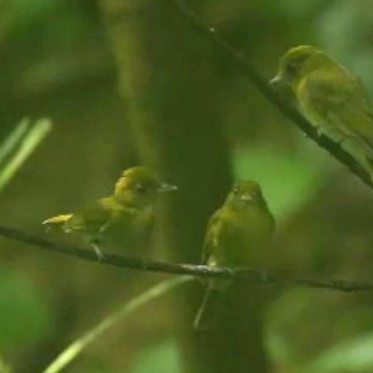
[369, 160]
[369, 166]
[57, 222]
[208, 313]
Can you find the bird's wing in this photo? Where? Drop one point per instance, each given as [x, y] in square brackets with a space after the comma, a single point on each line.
[58, 221]
[342, 100]
[93, 219]
[215, 227]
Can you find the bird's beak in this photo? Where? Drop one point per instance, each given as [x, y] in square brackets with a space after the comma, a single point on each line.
[246, 198]
[164, 187]
[275, 81]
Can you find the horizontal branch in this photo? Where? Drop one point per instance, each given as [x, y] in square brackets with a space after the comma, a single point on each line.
[257, 276]
[241, 64]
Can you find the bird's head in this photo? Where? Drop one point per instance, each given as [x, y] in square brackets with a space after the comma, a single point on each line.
[245, 193]
[296, 63]
[139, 186]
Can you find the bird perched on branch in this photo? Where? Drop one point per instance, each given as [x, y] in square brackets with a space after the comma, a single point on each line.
[123, 219]
[331, 98]
[238, 234]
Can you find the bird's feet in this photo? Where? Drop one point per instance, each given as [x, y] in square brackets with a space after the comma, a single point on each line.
[97, 250]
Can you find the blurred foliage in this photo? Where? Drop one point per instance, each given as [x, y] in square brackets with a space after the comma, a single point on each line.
[56, 63]
[303, 177]
[112, 320]
[21, 142]
[25, 318]
[164, 357]
[347, 356]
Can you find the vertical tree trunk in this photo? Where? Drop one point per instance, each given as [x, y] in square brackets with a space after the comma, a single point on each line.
[171, 93]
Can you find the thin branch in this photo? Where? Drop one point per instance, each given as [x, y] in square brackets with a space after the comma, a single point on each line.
[256, 276]
[22, 142]
[240, 63]
[72, 351]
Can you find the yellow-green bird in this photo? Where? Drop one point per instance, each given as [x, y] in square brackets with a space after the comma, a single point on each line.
[331, 98]
[121, 220]
[238, 234]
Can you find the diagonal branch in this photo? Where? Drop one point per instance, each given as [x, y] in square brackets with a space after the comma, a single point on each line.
[255, 276]
[72, 351]
[240, 63]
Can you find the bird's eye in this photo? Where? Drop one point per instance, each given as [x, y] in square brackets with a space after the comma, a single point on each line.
[236, 191]
[140, 188]
[292, 67]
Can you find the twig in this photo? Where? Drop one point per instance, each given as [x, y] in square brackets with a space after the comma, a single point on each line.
[256, 276]
[240, 62]
[72, 351]
[22, 142]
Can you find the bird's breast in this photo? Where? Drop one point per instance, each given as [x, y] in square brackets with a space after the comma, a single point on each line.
[129, 231]
[245, 239]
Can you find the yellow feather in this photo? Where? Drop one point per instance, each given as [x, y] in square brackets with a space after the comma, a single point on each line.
[57, 220]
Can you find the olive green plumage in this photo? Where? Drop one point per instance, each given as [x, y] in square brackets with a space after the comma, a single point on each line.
[331, 98]
[122, 220]
[238, 234]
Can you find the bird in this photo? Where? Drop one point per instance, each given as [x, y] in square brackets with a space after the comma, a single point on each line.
[238, 234]
[124, 218]
[331, 98]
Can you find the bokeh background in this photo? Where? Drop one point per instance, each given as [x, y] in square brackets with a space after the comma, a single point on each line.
[122, 91]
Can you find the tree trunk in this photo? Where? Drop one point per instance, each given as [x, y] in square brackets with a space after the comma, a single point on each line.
[171, 91]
